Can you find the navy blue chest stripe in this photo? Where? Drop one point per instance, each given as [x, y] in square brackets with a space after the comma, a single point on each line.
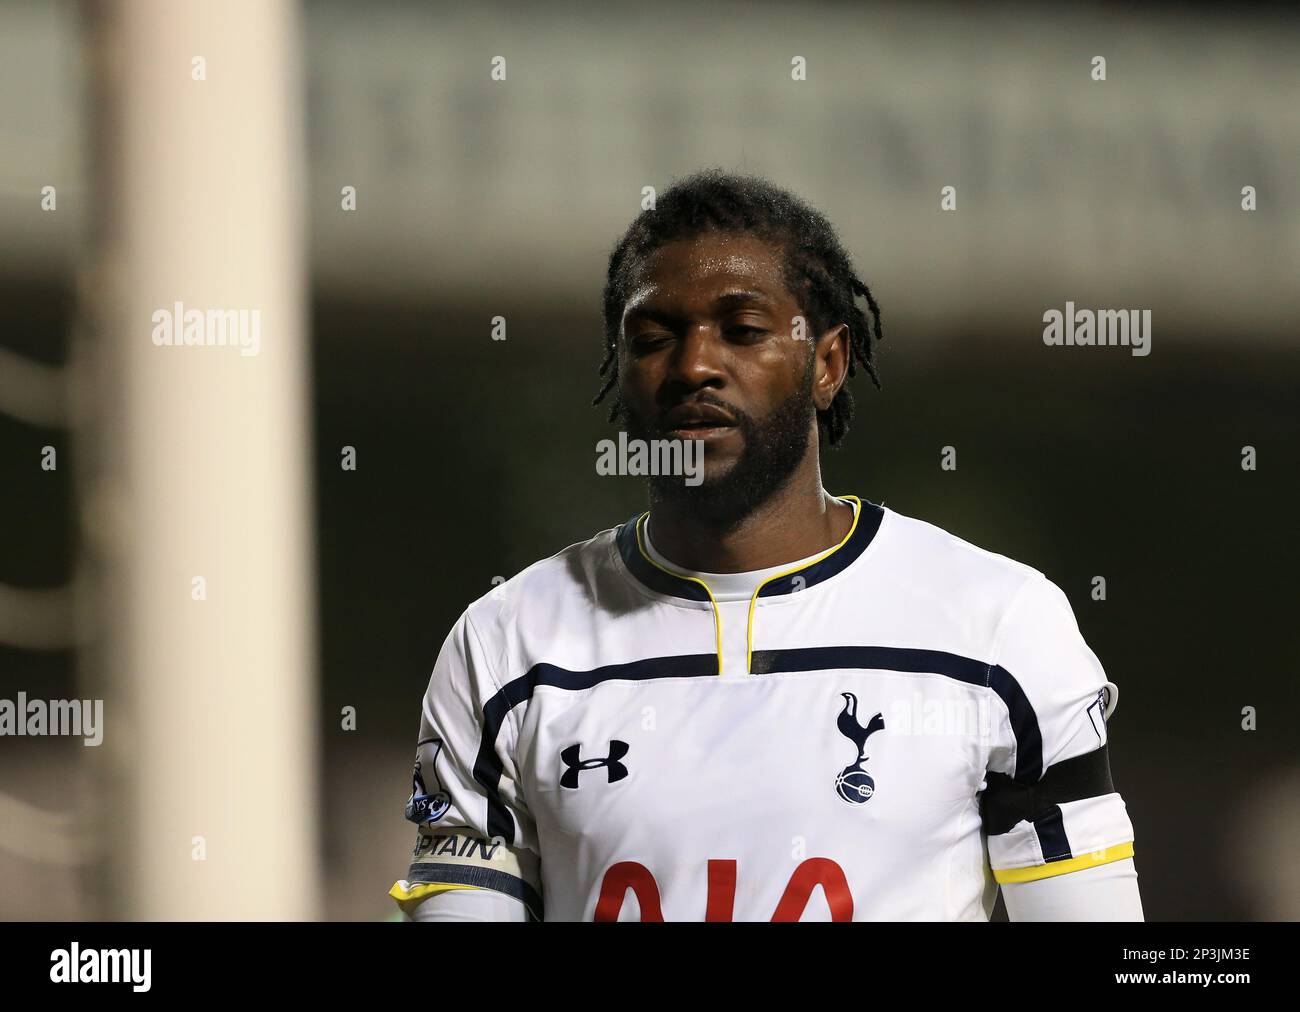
[1024, 722]
[487, 765]
[488, 769]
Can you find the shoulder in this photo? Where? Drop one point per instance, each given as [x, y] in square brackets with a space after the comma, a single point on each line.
[550, 594]
[938, 561]
[1019, 623]
[994, 608]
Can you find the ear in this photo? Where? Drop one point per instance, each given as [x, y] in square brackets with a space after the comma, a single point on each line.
[831, 365]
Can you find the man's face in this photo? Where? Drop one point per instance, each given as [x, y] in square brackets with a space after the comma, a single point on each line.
[708, 351]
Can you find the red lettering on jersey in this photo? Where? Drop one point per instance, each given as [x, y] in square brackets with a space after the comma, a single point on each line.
[721, 901]
[613, 891]
[816, 871]
[720, 904]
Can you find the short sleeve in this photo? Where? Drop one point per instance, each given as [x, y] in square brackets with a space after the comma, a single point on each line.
[474, 828]
[1049, 805]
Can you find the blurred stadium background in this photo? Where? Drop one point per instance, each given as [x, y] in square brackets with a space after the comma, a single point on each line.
[329, 588]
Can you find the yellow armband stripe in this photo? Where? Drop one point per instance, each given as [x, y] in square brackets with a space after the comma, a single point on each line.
[1089, 860]
[408, 896]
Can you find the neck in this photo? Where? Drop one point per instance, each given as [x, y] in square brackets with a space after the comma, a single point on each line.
[798, 520]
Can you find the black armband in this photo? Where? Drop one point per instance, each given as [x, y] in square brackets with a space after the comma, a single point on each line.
[1005, 801]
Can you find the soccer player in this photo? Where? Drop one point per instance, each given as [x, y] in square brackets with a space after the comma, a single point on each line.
[757, 700]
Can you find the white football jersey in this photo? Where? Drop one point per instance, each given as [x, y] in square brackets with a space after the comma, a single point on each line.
[883, 731]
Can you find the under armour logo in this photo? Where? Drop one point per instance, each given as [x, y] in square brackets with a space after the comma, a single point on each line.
[572, 758]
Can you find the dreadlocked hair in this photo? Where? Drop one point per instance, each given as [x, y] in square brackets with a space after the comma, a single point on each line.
[817, 270]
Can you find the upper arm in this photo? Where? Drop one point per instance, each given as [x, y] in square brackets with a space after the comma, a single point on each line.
[475, 831]
[1050, 807]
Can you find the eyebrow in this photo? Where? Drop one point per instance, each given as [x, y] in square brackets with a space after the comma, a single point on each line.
[644, 312]
[744, 297]
[727, 300]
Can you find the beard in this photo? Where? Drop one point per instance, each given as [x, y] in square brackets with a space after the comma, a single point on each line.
[773, 448]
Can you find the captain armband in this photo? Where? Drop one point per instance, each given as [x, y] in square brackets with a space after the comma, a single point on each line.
[1069, 820]
[460, 859]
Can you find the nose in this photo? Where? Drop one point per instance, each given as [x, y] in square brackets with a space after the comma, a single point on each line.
[697, 358]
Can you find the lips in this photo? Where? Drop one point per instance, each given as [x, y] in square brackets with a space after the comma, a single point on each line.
[689, 418]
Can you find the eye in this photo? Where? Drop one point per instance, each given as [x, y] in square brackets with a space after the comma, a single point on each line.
[649, 340]
[746, 331]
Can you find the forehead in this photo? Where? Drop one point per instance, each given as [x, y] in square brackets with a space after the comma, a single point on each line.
[703, 268]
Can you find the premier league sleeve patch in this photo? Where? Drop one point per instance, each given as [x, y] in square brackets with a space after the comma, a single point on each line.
[425, 807]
